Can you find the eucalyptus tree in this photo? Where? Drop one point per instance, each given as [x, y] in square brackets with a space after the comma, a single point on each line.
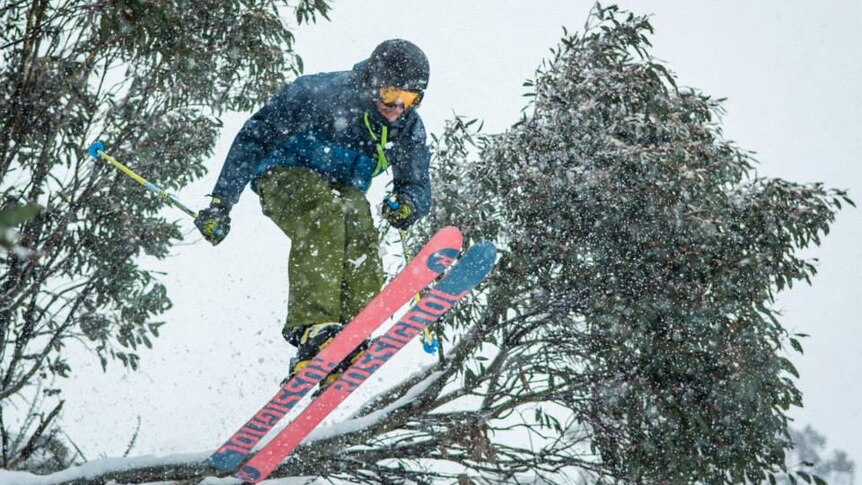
[151, 79]
[809, 455]
[628, 335]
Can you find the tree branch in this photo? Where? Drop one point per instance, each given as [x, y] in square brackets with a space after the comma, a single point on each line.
[31, 445]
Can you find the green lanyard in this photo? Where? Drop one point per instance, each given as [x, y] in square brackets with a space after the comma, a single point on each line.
[382, 163]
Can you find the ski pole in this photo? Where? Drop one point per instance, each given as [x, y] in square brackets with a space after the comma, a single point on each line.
[97, 150]
[394, 205]
[429, 343]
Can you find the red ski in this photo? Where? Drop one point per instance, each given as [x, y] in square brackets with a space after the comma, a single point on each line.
[437, 255]
[468, 272]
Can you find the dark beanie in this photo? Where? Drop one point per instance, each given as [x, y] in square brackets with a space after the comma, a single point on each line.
[398, 63]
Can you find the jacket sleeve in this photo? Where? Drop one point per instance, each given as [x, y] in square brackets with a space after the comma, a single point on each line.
[258, 136]
[410, 170]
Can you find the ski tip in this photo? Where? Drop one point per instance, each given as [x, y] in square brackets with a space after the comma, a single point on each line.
[484, 253]
[442, 259]
[225, 461]
[450, 232]
[442, 249]
[471, 269]
[487, 246]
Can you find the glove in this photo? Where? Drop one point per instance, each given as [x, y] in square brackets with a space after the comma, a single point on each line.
[214, 221]
[400, 211]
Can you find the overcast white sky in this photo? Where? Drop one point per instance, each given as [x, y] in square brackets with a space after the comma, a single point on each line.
[791, 71]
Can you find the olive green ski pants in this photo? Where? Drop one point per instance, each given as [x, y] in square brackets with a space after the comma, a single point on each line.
[334, 265]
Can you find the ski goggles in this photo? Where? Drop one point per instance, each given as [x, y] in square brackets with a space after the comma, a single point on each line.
[392, 97]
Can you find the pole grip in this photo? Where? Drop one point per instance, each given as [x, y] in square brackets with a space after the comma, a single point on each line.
[392, 203]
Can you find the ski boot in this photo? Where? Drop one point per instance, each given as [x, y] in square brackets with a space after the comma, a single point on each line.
[311, 339]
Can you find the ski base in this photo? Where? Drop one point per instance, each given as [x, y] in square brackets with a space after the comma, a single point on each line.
[464, 275]
[434, 258]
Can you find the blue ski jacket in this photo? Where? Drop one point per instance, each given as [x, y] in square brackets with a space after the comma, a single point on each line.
[319, 122]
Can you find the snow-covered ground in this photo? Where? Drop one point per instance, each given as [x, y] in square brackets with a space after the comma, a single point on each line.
[792, 76]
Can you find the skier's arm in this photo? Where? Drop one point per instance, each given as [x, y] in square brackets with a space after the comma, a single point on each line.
[258, 136]
[410, 170]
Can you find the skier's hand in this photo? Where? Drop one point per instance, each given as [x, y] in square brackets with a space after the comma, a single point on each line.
[399, 210]
[214, 221]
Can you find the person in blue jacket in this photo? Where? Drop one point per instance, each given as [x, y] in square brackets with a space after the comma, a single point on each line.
[310, 154]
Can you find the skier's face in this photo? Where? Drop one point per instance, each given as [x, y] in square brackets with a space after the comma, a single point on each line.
[392, 96]
[391, 102]
[391, 113]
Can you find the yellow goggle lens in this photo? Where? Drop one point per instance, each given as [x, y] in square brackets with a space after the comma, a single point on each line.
[392, 96]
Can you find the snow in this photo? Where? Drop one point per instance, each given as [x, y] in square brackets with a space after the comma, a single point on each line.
[98, 467]
[358, 261]
[358, 424]
[112, 465]
[106, 465]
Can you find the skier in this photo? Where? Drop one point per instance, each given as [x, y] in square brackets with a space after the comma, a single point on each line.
[310, 154]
